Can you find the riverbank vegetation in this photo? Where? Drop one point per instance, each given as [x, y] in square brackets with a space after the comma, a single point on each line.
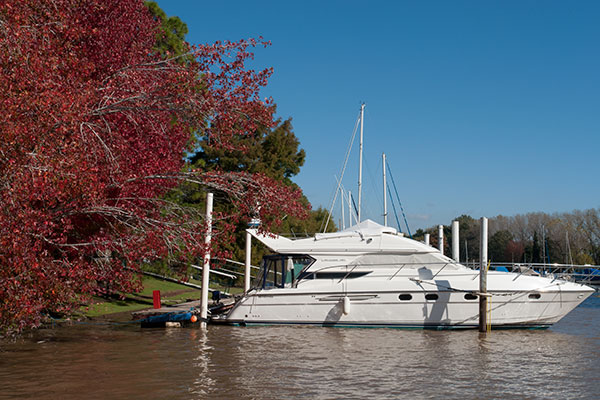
[119, 306]
[564, 238]
[99, 108]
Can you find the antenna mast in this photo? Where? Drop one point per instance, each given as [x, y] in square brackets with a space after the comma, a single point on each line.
[360, 157]
[384, 193]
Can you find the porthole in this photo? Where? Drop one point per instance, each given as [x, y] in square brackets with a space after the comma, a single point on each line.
[535, 296]
[470, 296]
[405, 297]
[431, 296]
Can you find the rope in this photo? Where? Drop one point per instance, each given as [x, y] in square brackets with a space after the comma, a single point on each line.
[395, 212]
[488, 319]
[342, 174]
[489, 304]
[399, 202]
[475, 292]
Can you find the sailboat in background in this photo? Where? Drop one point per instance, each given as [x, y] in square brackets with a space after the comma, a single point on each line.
[354, 210]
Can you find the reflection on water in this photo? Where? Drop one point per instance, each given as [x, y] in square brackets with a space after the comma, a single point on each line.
[99, 362]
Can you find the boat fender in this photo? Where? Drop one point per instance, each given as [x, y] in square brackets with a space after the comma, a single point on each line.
[346, 308]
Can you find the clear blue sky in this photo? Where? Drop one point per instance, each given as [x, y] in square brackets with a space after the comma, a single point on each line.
[483, 108]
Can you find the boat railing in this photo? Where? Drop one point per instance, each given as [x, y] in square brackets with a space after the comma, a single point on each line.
[435, 267]
[587, 274]
[231, 270]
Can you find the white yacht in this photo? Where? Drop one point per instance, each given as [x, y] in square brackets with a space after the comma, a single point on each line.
[370, 275]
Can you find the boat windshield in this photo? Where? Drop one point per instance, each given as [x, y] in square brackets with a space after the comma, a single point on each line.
[281, 270]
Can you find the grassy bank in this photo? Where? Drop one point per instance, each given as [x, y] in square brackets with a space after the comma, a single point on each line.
[170, 292]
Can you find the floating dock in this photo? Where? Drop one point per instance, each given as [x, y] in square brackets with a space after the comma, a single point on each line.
[180, 315]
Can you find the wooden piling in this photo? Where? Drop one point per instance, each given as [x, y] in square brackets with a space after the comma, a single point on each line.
[483, 260]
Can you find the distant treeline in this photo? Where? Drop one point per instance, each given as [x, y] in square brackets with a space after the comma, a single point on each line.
[537, 237]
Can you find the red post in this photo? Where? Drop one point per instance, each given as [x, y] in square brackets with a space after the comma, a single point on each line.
[156, 298]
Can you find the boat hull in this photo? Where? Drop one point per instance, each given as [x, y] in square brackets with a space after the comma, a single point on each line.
[435, 309]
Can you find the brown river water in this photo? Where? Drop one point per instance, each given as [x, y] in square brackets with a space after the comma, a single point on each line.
[87, 361]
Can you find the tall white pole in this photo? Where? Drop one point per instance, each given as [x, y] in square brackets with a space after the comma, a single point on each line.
[247, 262]
[441, 238]
[384, 193]
[455, 242]
[206, 264]
[483, 260]
[360, 157]
[427, 239]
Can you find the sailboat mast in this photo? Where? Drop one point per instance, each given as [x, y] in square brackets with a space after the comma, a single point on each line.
[360, 157]
[384, 193]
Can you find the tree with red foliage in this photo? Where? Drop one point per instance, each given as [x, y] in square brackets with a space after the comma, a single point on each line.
[95, 125]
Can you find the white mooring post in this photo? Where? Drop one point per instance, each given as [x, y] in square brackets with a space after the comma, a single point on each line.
[483, 260]
[247, 262]
[455, 245]
[441, 238]
[427, 239]
[206, 264]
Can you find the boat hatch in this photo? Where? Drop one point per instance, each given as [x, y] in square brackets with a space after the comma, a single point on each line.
[281, 270]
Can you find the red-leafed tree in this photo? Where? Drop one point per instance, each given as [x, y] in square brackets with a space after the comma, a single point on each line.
[95, 125]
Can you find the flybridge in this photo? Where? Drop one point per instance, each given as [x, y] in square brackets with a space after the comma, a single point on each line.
[365, 237]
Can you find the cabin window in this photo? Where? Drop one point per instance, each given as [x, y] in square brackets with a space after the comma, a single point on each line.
[535, 296]
[294, 267]
[470, 296]
[431, 296]
[405, 297]
[278, 271]
[339, 275]
[274, 271]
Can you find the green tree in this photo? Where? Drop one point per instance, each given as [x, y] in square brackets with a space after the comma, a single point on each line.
[170, 41]
[469, 237]
[273, 152]
[498, 246]
[535, 250]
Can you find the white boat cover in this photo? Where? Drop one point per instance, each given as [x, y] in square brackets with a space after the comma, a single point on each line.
[366, 237]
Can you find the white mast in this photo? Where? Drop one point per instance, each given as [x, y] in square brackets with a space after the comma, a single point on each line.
[360, 152]
[384, 193]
